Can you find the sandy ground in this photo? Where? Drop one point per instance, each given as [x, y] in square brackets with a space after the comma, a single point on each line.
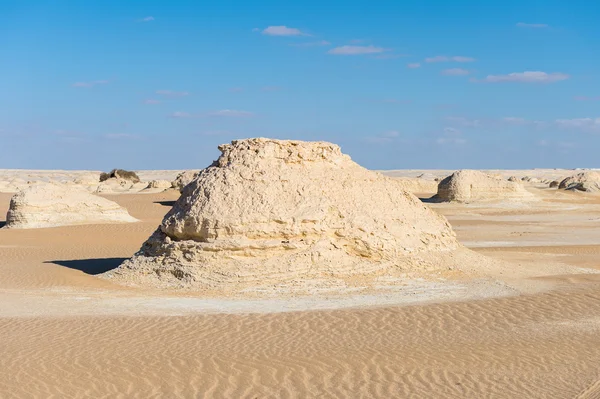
[66, 333]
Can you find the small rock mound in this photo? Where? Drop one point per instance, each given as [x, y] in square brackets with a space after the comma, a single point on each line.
[513, 179]
[120, 174]
[281, 213]
[588, 181]
[473, 186]
[554, 184]
[51, 205]
[184, 178]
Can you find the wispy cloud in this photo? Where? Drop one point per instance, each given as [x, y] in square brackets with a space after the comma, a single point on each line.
[586, 98]
[414, 65]
[147, 19]
[455, 72]
[356, 50]
[121, 136]
[464, 122]
[526, 25]
[226, 113]
[395, 101]
[171, 93]
[583, 124]
[527, 77]
[90, 84]
[180, 114]
[389, 56]
[385, 137]
[271, 88]
[151, 101]
[230, 113]
[451, 135]
[311, 44]
[443, 58]
[283, 30]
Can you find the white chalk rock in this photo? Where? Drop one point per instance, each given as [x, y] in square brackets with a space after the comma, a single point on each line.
[50, 205]
[278, 212]
[473, 186]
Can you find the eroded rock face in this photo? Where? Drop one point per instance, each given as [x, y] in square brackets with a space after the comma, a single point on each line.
[50, 205]
[588, 181]
[184, 178]
[274, 211]
[473, 185]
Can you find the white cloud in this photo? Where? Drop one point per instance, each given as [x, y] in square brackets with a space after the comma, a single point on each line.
[120, 136]
[386, 137]
[356, 50]
[231, 113]
[414, 65]
[179, 114]
[283, 30]
[515, 120]
[271, 88]
[151, 101]
[527, 77]
[443, 58]
[170, 93]
[312, 44]
[525, 25]
[583, 124]
[90, 84]
[455, 72]
[147, 19]
[462, 121]
[586, 98]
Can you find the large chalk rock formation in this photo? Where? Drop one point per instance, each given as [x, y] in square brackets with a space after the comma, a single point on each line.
[271, 212]
[49, 205]
[588, 181]
[473, 186]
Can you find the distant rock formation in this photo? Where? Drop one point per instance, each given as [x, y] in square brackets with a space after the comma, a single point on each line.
[278, 213]
[473, 186]
[588, 181]
[50, 205]
[184, 178]
[120, 174]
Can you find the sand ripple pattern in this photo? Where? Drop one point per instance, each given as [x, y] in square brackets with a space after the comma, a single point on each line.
[543, 346]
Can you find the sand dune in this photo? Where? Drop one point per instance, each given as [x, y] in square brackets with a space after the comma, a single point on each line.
[66, 333]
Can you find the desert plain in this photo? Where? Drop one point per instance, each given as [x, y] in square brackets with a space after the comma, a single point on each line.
[523, 323]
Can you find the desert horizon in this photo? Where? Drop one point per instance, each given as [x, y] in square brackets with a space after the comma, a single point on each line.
[512, 314]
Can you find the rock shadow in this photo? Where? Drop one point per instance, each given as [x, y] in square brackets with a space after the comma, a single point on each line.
[165, 203]
[2, 224]
[90, 266]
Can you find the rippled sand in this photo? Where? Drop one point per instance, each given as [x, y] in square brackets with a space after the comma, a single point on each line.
[66, 333]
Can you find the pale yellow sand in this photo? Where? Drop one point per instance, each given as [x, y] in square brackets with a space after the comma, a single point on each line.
[66, 333]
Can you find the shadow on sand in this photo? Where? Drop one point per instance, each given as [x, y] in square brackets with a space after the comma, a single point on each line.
[2, 224]
[90, 266]
[430, 200]
[165, 203]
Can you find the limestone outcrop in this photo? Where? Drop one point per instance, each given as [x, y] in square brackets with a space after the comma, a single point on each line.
[588, 181]
[473, 186]
[50, 205]
[284, 213]
[184, 178]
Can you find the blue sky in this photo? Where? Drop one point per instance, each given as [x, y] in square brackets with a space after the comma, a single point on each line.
[397, 84]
